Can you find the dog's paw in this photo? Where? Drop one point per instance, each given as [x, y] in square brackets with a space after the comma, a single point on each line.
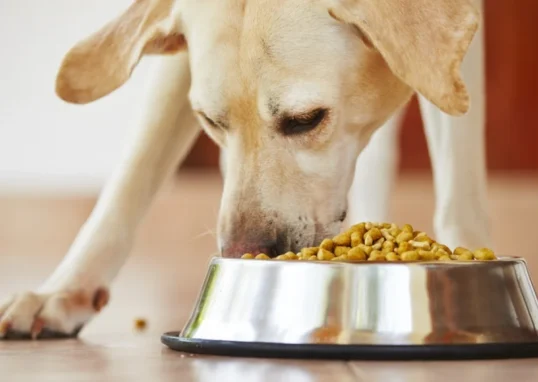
[49, 315]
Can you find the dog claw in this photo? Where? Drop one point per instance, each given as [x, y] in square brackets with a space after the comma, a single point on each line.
[57, 315]
[37, 327]
[4, 328]
[100, 299]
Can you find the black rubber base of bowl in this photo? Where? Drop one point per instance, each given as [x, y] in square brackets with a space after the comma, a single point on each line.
[350, 352]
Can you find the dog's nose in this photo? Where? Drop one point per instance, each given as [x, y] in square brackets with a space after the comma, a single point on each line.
[238, 249]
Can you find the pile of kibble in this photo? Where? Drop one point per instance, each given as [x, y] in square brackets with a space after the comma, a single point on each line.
[381, 242]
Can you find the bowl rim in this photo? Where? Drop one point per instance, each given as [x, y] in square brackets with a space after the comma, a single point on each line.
[175, 341]
[500, 259]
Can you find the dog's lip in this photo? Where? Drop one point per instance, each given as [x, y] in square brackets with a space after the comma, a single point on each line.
[234, 256]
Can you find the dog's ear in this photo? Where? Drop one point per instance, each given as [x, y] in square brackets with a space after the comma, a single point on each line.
[104, 61]
[422, 41]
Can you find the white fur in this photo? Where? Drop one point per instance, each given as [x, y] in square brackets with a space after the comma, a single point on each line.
[168, 131]
[457, 153]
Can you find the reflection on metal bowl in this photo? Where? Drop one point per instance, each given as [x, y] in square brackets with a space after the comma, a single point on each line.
[413, 304]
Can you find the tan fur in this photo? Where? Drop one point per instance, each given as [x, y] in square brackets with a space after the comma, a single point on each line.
[103, 62]
[404, 45]
[423, 41]
[251, 65]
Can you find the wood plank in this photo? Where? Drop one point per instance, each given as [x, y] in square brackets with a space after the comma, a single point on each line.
[448, 371]
[161, 281]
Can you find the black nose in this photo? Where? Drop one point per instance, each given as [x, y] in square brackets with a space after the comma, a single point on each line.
[239, 248]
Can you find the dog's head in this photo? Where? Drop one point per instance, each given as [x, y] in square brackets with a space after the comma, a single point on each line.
[293, 89]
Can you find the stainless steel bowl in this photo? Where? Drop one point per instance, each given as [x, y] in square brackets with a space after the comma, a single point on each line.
[372, 304]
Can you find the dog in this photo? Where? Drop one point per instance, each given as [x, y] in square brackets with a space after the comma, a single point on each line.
[292, 91]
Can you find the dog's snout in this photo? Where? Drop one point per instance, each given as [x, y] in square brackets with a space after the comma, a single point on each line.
[245, 228]
[237, 249]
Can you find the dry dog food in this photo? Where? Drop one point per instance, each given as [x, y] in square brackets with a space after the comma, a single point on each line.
[381, 242]
[140, 324]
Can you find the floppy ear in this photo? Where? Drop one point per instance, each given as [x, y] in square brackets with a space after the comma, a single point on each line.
[422, 41]
[104, 61]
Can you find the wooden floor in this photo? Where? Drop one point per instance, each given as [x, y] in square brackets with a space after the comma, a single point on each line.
[162, 278]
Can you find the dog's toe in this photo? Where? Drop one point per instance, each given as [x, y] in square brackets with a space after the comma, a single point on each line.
[53, 315]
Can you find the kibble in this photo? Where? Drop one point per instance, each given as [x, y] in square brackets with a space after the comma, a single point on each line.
[327, 244]
[404, 236]
[366, 249]
[408, 228]
[377, 256]
[356, 238]
[410, 256]
[460, 250]
[309, 252]
[484, 254]
[343, 239]
[357, 253]
[466, 256]
[426, 255]
[388, 246]
[339, 258]
[140, 324]
[438, 247]
[340, 250]
[391, 256]
[324, 254]
[381, 242]
[403, 247]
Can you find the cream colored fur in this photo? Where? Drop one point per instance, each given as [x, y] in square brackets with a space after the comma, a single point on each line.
[247, 67]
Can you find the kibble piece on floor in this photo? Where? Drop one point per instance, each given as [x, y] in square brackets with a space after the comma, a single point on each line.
[140, 324]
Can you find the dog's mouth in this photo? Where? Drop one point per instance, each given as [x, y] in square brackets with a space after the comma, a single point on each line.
[294, 239]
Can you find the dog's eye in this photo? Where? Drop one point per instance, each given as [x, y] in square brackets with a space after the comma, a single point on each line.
[302, 123]
[209, 120]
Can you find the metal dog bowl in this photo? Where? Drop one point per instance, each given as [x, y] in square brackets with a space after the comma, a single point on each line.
[418, 310]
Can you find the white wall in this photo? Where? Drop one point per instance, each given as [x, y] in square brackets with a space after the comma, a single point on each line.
[45, 143]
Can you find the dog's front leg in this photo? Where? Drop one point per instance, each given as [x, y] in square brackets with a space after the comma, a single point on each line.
[79, 286]
[375, 174]
[457, 151]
